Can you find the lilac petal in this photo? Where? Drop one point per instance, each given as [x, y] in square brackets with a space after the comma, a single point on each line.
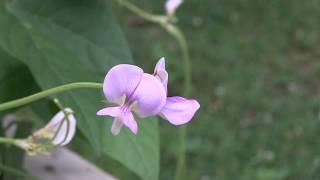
[121, 80]
[130, 122]
[110, 111]
[150, 96]
[116, 126]
[161, 73]
[67, 130]
[179, 110]
[127, 119]
[161, 64]
[121, 118]
[172, 5]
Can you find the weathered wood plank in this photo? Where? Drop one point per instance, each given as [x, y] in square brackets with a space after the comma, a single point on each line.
[63, 164]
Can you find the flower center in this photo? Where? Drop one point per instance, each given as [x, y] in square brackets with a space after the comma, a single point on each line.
[127, 104]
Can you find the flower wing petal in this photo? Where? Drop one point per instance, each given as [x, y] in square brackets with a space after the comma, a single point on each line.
[110, 111]
[161, 73]
[179, 110]
[116, 125]
[130, 122]
[121, 80]
[150, 96]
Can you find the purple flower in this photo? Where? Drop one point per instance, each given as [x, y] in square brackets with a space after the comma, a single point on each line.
[145, 95]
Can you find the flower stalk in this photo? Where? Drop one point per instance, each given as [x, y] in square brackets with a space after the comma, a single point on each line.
[182, 42]
[167, 23]
[46, 93]
[182, 132]
[140, 12]
[4, 140]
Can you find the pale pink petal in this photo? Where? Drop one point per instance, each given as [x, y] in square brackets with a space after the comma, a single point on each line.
[161, 65]
[110, 111]
[127, 119]
[161, 73]
[130, 122]
[179, 110]
[150, 96]
[116, 125]
[121, 80]
[172, 5]
[68, 127]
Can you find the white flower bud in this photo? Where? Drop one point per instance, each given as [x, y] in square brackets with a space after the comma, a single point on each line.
[60, 129]
[172, 5]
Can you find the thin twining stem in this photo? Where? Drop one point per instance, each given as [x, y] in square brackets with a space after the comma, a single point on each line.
[173, 30]
[46, 93]
[140, 12]
[4, 140]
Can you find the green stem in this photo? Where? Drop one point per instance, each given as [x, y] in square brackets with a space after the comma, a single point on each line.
[182, 42]
[181, 166]
[165, 22]
[145, 15]
[46, 93]
[12, 141]
[4, 140]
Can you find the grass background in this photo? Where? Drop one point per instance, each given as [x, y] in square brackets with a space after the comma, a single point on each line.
[256, 74]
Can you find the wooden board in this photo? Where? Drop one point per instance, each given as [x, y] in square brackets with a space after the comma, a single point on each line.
[63, 164]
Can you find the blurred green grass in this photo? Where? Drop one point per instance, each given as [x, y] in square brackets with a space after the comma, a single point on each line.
[256, 73]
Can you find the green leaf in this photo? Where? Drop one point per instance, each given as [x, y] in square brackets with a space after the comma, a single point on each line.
[145, 152]
[16, 80]
[69, 41]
